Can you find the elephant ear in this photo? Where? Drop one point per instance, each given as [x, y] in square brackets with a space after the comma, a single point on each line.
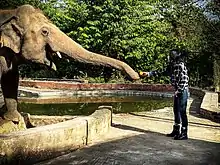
[10, 35]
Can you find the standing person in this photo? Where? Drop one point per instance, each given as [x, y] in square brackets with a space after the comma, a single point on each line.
[177, 71]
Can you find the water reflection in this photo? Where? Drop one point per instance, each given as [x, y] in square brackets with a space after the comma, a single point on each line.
[87, 105]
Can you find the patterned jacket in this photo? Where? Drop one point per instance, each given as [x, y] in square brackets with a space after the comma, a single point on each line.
[178, 75]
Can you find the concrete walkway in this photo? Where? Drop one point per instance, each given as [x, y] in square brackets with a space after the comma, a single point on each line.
[139, 139]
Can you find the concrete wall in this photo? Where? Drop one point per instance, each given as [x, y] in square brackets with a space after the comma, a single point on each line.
[209, 106]
[94, 86]
[40, 143]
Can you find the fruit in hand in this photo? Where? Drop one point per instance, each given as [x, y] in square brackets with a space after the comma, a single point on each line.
[141, 73]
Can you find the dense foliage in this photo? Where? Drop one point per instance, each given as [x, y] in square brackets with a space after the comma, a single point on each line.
[139, 32]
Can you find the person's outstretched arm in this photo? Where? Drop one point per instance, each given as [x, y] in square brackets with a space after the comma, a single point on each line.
[159, 72]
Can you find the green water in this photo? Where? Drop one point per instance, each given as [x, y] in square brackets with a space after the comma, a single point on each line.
[120, 104]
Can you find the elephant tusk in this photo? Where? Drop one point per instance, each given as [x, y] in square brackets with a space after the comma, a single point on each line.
[53, 66]
[50, 64]
[59, 55]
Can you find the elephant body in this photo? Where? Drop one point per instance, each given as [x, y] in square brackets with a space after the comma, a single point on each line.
[27, 35]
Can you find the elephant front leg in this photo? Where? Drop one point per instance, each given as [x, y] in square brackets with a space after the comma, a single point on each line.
[9, 84]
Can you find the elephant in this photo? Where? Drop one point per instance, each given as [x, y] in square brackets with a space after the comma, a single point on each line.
[27, 35]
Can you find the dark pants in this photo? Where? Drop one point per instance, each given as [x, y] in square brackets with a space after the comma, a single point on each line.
[179, 108]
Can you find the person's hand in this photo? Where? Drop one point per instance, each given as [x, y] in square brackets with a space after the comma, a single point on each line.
[144, 74]
[176, 93]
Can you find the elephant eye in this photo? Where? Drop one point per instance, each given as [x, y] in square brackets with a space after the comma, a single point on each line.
[45, 32]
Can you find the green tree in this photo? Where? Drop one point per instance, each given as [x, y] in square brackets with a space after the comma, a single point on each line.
[139, 32]
[11, 4]
[213, 38]
[131, 31]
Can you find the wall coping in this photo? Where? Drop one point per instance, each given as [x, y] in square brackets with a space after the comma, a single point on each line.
[61, 85]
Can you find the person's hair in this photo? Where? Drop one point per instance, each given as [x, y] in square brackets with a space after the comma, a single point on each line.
[183, 55]
[179, 55]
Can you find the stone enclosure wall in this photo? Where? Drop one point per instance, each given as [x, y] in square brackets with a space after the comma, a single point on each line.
[40, 143]
[209, 105]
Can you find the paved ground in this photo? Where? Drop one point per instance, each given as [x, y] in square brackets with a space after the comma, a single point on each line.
[139, 139]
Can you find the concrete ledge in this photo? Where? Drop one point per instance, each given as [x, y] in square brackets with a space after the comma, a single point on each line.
[40, 143]
[36, 88]
[30, 92]
[94, 86]
[60, 80]
[9, 126]
[209, 106]
[99, 123]
[36, 121]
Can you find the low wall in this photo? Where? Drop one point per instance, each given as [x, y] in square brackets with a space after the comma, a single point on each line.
[40, 143]
[209, 106]
[94, 86]
[42, 120]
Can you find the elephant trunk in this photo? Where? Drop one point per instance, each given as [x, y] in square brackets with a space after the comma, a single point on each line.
[62, 43]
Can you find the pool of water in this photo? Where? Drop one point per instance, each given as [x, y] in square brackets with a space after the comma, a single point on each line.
[87, 105]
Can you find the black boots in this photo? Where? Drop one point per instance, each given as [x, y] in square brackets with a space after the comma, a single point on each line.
[182, 135]
[175, 132]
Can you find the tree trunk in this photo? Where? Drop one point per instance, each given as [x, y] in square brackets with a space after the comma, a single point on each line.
[216, 74]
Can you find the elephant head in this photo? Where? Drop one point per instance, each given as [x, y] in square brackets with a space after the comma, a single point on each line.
[30, 34]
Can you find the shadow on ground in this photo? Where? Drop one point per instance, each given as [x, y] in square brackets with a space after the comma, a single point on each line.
[149, 148]
[195, 107]
[194, 110]
[154, 118]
